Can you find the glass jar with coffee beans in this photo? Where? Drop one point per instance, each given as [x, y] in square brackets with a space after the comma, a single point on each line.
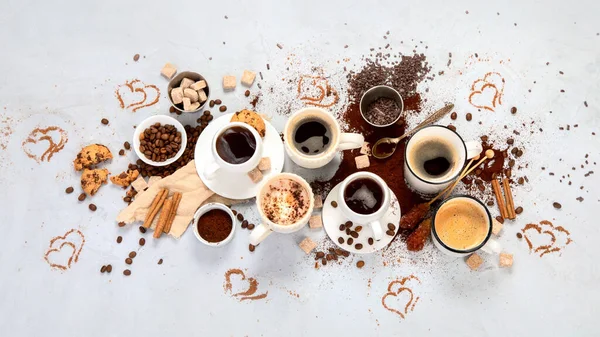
[160, 142]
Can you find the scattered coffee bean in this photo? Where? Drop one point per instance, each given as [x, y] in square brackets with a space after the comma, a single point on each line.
[128, 260]
[142, 229]
[342, 227]
[223, 108]
[234, 212]
[104, 121]
[338, 251]
[324, 261]
[127, 146]
[206, 113]
[519, 210]
[451, 127]
[329, 257]
[320, 255]
[172, 109]
[514, 150]
[142, 241]
[211, 103]
[521, 181]
[136, 57]
[160, 261]
[103, 269]
[240, 217]
[358, 229]
[510, 141]
[389, 232]
[121, 152]
[92, 207]
[247, 93]
[81, 197]
[245, 224]
[126, 272]
[354, 234]
[370, 240]
[500, 219]
[350, 241]
[334, 204]
[121, 224]
[218, 101]
[348, 224]
[469, 116]
[519, 153]
[453, 115]
[490, 203]
[331, 249]
[109, 268]
[519, 236]
[251, 226]
[346, 254]
[334, 257]
[556, 205]
[391, 226]
[119, 239]
[358, 246]
[360, 264]
[341, 240]
[132, 254]
[348, 231]
[69, 190]
[513, 110]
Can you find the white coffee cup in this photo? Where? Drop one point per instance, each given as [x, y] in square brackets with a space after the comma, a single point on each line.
[267, 226]
[488, 244]
[372, 219]
[339, 141]
[417, 146]
[218, 163]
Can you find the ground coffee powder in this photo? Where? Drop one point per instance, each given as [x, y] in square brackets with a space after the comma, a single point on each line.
[215, 225]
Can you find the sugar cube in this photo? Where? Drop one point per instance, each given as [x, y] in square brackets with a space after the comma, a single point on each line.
[198, 85]
[139, 184]
[318, 202]
[186, 83]
[187, 104]
[307, 245]
[474, 261]
[264, 164]
[228, 82]
[177, 95]
[191, 94]
[255, 175]
[496, 227]
[362, 161]
[506, 260]
[315, 222]
[248, 78]
[168, 71]
[366, 148]
[202, 96]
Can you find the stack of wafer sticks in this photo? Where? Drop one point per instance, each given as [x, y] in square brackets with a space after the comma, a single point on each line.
[507, 208]
[168, 209]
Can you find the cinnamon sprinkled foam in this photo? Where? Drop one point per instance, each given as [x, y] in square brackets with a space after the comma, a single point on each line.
[285, 201]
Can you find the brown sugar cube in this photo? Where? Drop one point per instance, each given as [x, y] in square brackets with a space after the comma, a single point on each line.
[506, 260]
[186, 83]
[139, 184]
[496, 227]
[474, 261]
[187, 104]
[248, 78]
[315, 222]
[168, 71]
[194, 106]
[255, 175]
[198, 85]
[202, 96]
[362, 161]
[366, 148]
[264, 164]
[307, 245]
[228, 82]
[191, 94]
[318, 202]
[177, 95]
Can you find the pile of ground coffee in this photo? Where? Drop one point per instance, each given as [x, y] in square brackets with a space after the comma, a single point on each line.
[215, 225]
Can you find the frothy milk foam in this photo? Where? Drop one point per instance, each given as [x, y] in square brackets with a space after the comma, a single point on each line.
[284, 201]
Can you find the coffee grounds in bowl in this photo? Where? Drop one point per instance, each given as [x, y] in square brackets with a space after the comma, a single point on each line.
[382, 111]
[215, 225]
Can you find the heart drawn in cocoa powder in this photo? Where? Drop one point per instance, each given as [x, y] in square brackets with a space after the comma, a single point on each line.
[545, 238]
[487, 92]
[42, 143]
[136, 95]
[57, 256]
[248, 293]
[397, 290]
[316, 90]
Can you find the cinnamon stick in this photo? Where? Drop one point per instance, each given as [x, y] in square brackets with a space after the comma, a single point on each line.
[157, 203]
[176, 201]
[499, 198]
[510, 205]
[162, 219]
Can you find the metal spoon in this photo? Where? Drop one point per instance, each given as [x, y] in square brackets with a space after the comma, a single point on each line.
[392, 143]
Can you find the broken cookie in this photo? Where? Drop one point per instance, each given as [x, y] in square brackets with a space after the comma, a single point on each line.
[125, 178]
[251, 118]
[92, 180]
[91, 155]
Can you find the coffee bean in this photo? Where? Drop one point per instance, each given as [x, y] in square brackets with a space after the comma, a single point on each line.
[109, 268]
[469, 116]
[127, 145]
[69, 190]
[360, 264]
[389, 232]
[331, 249]
[320, 255]
[160, 142]
[334, 204]
[172, 109]
[104, 121]
[218, 101]
[510, 141]
[490, 203]
[453, 115]
[211, 103]
[132, 254]
[358, 246]
[136, 57]
[247, 93]
[519, 236]
[514, 150]
[348, 231]
[342, 227]
[245, 224]
[500, 219]
[358, 229]
[142, 241]
[142, 229]
[521, 181]
[338, 251]
[556, 205]
[519, 153]
[81, 197]
[119, 239]
[92, 207]
[121, 224]
[334, 257]
[323, 261]
[451, 127]
[160, 261]
[354, 234]
[511, 163]
[346, 254]
[121, 152]
[513, 110]
[370, 240]
[240, 217]
[251, 226]
[126, 272]
[519, 210]
[103, 269]
[348, 224]
[234, 211]
[350, 241]
[223, 108]
[341, 240]
[391, 226]
[128, 260]
[329, 257]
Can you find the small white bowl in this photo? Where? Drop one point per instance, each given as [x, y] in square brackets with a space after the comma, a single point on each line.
[209, 207]
[162, 119]
[176, 81]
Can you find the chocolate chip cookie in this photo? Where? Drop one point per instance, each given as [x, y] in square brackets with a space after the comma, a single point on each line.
[91, 155]
[251, 118]
[92, 180]
[125, 178]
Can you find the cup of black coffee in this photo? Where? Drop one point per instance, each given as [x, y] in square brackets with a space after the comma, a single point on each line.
[364, 199]
[236, 147]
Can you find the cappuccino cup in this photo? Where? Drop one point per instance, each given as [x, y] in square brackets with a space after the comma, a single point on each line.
[434, 158]
[285, 204]
[462, 225]
[313, 137]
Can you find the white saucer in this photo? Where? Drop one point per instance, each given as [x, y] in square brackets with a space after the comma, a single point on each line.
[333, 218]
[230, 184]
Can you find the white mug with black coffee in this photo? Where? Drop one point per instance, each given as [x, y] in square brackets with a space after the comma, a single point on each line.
[364, 198]
[236, 147]
[285, 203]
[313, 137]
[434, 158]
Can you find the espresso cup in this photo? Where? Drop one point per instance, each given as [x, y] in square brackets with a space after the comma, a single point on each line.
[434, 158]
[462, 225]
[285, 203]
[217, 162]
[364, 198]
[313, 137]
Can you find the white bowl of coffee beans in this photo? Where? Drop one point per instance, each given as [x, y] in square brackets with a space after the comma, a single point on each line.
[159, 140]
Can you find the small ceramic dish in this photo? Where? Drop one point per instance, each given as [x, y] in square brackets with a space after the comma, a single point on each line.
[176, 81]
[209, 207]
[164, 120]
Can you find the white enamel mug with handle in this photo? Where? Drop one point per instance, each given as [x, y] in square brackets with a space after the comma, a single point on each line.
[217, 163]
[339, 141]
[373, 219]
[432, 142]
[267, 226]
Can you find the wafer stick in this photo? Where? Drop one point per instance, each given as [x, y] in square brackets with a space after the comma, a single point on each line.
[510, 205]
[499, 199]
[162, 219]
[176, 201]
[159, 199]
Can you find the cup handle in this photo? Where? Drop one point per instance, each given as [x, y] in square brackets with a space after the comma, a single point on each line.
[349, 141]
[492, 247]
[259, 234]
[211, 169]
[377, 231]
[474, 148]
